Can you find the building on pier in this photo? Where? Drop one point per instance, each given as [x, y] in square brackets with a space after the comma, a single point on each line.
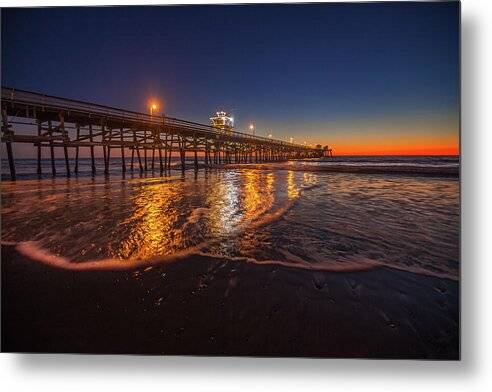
[222, 121]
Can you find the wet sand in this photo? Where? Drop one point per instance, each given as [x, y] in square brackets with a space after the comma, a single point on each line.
[207, 306]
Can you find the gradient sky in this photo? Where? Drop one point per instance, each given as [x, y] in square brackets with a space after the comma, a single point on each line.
[367, 78]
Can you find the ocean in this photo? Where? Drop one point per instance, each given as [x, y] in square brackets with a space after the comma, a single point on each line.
[333, 214]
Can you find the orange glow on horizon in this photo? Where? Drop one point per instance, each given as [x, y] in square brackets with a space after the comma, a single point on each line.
[415, 134]
[430, 144]
[391, 150]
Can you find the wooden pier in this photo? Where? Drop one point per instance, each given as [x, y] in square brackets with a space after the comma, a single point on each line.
[144, 141]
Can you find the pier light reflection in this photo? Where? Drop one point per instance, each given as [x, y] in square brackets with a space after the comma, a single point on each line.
[153, 228]
[252, 197]
[258, 197]
[292, 189]
[239, 198]
[270, 180]
[223, 199]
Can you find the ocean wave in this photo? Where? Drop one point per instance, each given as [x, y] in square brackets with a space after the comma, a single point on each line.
[400, 169]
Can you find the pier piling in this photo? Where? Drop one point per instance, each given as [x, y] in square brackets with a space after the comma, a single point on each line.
[40, 131]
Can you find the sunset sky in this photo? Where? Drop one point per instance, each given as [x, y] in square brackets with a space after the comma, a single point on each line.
[363, 78]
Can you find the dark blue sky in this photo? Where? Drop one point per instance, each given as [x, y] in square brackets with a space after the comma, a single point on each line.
[294, 69]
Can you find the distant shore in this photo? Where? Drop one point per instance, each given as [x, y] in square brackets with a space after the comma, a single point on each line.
[207, 306]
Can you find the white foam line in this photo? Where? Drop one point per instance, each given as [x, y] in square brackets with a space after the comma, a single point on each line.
[33, 251]
[332, 266]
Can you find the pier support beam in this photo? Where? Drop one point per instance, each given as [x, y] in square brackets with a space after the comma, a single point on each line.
[123, 163]
[66, 139]
[52, 149]
[91, 138]
[139, 161]
[195, 152]
[103, 140]
[76, 169]
[165, 153]
[207, 154]
[145, 149]
[40, 129]
[108, 149]
[182, 152]
[170, 153]
[7, 133]
[153, 158]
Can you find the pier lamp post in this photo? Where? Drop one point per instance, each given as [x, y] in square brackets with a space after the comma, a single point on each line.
[269, 135]
[292, 140]
[153, 106]
[252, 128]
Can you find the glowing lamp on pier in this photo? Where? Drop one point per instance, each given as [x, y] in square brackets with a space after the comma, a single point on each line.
[270, 136]
[252, 128]
[153, 107]
[291, 139]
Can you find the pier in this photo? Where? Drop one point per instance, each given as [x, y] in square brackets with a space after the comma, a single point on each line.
[145, 142]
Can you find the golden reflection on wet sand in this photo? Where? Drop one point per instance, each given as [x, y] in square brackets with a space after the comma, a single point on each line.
[236, 200]
[140, 219]
[258, 197]
[270, 180]
[292, 189]
[153, 223]
[223, 201]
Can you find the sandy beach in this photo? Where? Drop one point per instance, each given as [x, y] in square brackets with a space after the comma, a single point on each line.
[212, 306]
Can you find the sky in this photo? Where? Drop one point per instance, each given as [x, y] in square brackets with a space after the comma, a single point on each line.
[366, 78]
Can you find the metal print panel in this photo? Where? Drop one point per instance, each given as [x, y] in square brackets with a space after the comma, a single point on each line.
[240, 180]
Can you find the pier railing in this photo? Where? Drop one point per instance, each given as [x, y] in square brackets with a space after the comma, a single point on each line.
[66, 104]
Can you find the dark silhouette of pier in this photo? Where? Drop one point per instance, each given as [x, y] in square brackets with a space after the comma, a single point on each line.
[49, 122]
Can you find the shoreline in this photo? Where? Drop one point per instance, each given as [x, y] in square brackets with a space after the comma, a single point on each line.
[410, 171]
[202, 305]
